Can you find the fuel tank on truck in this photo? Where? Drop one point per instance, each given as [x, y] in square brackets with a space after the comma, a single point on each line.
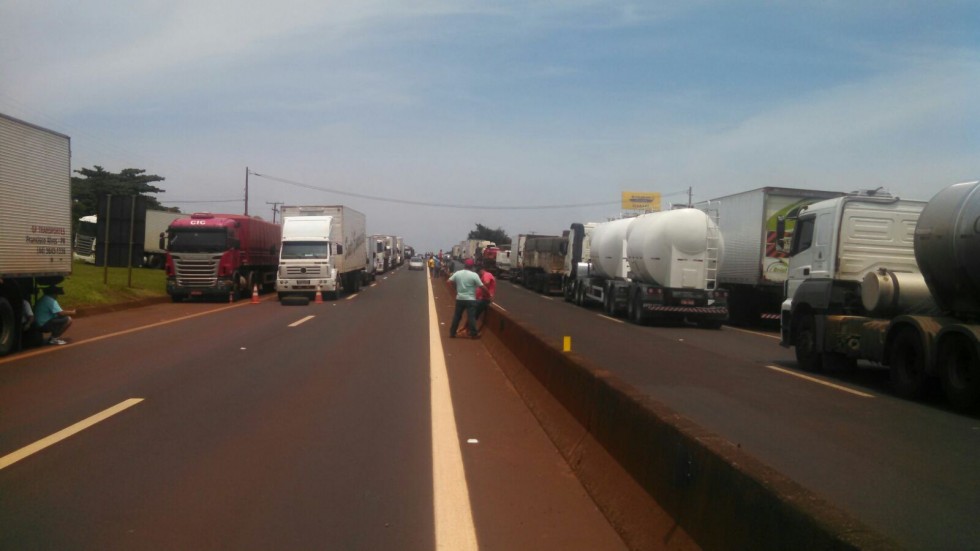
[608, 248]
[947, 248]
[675, 248]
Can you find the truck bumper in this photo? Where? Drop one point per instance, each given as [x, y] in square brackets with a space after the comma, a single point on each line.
[221, 288]
[306, 286]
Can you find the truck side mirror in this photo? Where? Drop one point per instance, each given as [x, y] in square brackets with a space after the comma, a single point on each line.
[340, 249]
[781, 234]
[163, 241]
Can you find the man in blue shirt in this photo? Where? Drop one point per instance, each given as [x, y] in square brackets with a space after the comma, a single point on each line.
[466, 282]
[49, 317]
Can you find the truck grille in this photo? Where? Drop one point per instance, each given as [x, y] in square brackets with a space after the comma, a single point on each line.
[83, 245]
[304, 272]
[197, 271]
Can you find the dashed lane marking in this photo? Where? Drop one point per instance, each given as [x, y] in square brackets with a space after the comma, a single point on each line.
[820, 382]
[299, 322]
[27, 451]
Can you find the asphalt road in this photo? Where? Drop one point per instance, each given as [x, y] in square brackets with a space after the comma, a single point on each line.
[907, 469]
[340, 425]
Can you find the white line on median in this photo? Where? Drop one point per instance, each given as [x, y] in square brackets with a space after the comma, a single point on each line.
[304, 320]
[451, 498]
[819, 382]
[609, 318]
[27, 451]
[767, 335]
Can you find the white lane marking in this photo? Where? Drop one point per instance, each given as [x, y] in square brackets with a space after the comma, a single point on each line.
[546, 297]
[27, 451]
[304, 320]
[499, 306]
[610, 319]
[350, 297]
[767, 335]
[819, 382]
[451, 497]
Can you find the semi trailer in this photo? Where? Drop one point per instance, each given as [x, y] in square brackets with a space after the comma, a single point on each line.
[895, 282]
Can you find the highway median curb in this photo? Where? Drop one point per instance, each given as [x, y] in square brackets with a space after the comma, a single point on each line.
[698, 486]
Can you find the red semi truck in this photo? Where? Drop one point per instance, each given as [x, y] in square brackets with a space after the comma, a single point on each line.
[221, 255]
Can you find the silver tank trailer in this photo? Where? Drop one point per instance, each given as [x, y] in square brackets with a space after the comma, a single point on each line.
[608, 249]
[655, 240]
[947, 248]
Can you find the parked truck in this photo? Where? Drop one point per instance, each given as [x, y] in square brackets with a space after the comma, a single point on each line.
[154, 238]
[376, 243]
[895, 282]
[323, 250]
[221, 255]
[755, 265]
[35, 219]
[518, 255]
[655, 267]
[544, 264]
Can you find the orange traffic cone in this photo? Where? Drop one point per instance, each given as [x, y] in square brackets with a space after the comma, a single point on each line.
[319, 296]
[255, 294]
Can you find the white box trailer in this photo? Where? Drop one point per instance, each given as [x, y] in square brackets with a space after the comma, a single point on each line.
[755, 265]
[35, 218]
[324, 248]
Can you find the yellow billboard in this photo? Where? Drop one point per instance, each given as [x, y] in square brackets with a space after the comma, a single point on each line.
[641, 200]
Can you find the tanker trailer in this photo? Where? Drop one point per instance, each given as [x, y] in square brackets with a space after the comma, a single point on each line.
[602, 272]
[897, 283]
[674, 257]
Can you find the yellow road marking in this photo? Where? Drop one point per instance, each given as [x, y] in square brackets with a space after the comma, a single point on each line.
[451, 504]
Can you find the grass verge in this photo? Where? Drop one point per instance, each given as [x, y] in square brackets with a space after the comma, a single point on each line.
[84, 288]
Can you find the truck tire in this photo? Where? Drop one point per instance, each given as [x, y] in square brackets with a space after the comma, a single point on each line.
[805, 345]
[908, 365]
[634, 310]
[960, 373]
[9, 328]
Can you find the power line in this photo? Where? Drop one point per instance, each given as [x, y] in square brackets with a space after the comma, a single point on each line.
[430, 204]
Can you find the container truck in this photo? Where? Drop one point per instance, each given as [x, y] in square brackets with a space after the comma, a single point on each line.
[755, 265]
[399, 250]
[154, 238]
[35, 219]
[891, 281]
[544, 264]
[376, 244]
[221, 255]
[518, 255]
[323, 249]
[659, 266]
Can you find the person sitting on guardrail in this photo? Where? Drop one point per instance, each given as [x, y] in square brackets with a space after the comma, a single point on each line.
[49, 317]
[466, 282]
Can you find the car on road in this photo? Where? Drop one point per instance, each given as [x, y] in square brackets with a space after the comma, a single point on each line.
[416, 263]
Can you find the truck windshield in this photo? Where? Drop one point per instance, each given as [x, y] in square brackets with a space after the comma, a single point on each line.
[198, 241]
[86, 228]
[303, 249]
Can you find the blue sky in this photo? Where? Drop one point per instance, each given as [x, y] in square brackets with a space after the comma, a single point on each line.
[500, 104]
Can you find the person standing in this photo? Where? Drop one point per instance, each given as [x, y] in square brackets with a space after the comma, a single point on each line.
[466, 282]
[485, 295]
[49, 317]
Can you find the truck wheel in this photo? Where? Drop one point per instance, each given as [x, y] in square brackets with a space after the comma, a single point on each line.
[805, 345]
[609, 301]
[634, 310]
[9, 328]
[960, 373]
[908, 365]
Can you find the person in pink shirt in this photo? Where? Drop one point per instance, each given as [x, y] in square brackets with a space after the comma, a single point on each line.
[485, 295]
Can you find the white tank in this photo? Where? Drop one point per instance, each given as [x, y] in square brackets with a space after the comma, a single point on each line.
[608, 249]
[676, 248]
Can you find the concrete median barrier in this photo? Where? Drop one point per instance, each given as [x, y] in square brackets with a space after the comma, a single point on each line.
[662, 480]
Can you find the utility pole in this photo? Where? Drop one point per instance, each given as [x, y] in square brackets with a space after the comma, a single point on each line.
[246, 191]
[275, 209]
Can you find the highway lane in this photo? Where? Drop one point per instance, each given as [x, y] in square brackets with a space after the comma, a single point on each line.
[904, 468]
[261, 427]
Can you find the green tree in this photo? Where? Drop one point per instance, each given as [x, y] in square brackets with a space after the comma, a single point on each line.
[96, 181]
[498, 236]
